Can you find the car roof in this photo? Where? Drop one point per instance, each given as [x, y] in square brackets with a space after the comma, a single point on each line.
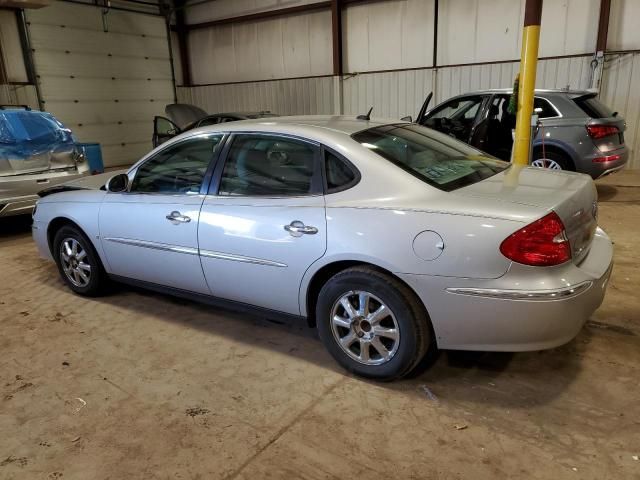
[241, 114]
[346, 124]
[538, 91]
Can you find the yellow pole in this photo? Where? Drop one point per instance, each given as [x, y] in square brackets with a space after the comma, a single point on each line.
[528, 61]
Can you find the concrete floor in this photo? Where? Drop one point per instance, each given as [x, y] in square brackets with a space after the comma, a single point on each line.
[137, 385]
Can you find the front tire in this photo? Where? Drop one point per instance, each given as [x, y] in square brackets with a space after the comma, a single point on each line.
[78, 262]
[372, 324]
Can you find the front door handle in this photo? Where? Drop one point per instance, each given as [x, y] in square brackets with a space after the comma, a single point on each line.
[176, 217]
[298, 228]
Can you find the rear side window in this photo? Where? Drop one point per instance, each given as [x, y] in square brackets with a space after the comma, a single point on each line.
[593, 107]
[339, 175]
[543, 108]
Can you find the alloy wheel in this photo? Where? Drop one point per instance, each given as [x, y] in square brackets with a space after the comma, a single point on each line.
[73, 257]
[365, 328]
[546, 163]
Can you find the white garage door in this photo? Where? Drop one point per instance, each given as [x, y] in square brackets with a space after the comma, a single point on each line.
[104, 76]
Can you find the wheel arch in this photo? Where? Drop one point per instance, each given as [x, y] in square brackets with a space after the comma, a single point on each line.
[556, 147]
[55, 225]
[319, 278]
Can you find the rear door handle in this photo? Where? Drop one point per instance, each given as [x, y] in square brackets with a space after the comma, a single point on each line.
[176, 217]
[298, 228]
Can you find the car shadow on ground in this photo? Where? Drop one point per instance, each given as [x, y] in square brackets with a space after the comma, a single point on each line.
[606, 192]
[14, 227]
[511, 380]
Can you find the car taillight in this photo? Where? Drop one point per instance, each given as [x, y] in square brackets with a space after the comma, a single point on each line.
[542, 243]
[601, 131]
[606, 158]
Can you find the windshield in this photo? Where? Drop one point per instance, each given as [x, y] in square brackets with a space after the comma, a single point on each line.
[433, 157]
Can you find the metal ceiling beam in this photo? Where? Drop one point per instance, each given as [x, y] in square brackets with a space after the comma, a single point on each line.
[280, 12]
[258, 16]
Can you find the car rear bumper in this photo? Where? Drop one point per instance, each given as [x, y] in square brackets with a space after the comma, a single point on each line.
[501, 315]
[601, 164]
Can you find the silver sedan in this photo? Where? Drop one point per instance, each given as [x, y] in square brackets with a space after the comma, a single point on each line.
[392, 239]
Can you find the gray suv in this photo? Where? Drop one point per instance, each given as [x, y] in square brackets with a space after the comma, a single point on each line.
[577, 132]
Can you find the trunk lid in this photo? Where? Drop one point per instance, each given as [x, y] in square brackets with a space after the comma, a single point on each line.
[572, 196]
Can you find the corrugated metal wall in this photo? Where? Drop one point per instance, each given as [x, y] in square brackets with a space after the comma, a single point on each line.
[103, 76]
[621, 91]
[392, 94]
[291, 46]
[301, 96]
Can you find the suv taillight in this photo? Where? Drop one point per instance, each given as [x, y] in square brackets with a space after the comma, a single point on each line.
[601, 131]
[542, 243]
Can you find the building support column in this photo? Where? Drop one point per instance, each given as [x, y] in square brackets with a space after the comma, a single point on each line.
[528, 63]
[336, 35]
[182, 31]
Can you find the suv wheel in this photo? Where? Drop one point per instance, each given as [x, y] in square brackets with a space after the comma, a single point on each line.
[372, 324]
[551, 160]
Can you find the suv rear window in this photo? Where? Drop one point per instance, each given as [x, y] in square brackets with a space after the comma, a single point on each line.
[593, 107]
[433, 157]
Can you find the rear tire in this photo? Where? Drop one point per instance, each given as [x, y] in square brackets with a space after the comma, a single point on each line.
[78, 262]
[551, 160]
[372, 324]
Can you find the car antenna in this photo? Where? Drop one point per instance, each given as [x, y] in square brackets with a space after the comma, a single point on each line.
[365, 117]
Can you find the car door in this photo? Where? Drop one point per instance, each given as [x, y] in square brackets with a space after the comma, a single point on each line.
[150, 232]
[163, 130]
[263, 223]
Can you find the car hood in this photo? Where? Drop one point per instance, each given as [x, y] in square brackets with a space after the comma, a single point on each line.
[91, 182]
[184, 114]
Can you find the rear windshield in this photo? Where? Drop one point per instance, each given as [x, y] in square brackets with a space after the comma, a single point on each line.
[593, 107]
[433, 157]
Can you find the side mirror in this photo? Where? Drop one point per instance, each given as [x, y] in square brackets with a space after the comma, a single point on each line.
[119, 183]
[407, 119]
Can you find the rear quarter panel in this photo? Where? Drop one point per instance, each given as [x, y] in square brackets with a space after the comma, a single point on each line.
[385, 238]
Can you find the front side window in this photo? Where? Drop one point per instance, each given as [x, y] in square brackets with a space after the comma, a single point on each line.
[264, 165]
[434, 158]
[179, 168]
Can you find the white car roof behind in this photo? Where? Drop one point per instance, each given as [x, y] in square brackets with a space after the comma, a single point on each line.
[335, 123]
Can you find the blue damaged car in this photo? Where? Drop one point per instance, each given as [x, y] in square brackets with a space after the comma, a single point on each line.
[36, 151]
